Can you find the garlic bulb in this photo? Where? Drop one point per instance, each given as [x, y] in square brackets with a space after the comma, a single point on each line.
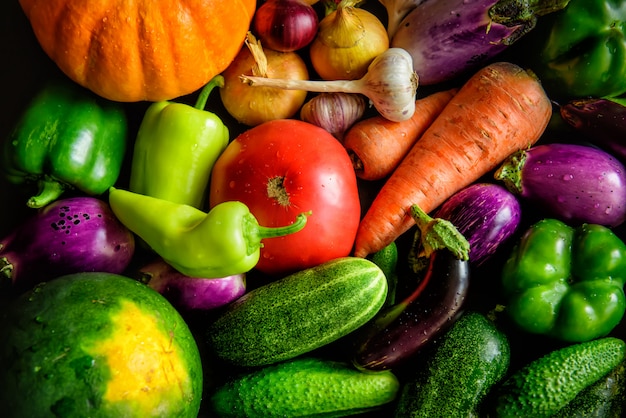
[334, 112]
[390, 84]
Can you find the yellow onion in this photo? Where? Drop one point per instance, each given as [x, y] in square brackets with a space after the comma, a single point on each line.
[347, 41]
[252, 106]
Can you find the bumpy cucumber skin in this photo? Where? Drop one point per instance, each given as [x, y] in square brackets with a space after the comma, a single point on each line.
[606, 398]
[304, 387]
[298, 313]
[546, 385]
[468, 361]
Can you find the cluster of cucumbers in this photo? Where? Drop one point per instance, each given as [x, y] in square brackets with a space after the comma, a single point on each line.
[271, 336]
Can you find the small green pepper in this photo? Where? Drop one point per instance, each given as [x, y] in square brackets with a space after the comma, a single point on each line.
[223, 242]
[176, 148]
[566, 282]
[581, 50]
[67, 138]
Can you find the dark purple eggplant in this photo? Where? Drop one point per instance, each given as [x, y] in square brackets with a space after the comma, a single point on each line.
[398, 332]
[601, 121]
[486, 214]
[449, 37]
[191, 294]
[73, 235]
[575, 183]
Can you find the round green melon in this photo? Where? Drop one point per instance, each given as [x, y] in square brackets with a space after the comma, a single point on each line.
[97, 345]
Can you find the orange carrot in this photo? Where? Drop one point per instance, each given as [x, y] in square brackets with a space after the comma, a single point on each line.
[376, 145]
[499, 110]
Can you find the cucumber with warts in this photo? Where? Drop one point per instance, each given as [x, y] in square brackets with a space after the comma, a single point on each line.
[304, 387]
[546, 385]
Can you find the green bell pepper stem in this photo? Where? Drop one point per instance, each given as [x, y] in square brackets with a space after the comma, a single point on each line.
[223, 242]
[176, 148]
[49, 191]
[566, 282]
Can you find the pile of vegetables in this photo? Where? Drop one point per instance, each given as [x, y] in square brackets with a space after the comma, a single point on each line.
[423, 201]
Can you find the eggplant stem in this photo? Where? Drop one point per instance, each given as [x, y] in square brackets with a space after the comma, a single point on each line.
[439, 234]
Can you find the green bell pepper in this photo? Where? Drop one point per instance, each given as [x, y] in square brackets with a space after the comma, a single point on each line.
[223, 242]
[581, 50]
[67, 138]
[566, 282]
[176, 148]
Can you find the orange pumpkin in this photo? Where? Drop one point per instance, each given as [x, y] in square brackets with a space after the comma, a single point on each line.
[137, 50]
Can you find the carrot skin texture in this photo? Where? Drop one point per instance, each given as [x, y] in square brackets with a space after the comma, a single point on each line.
[499, 110]
[377, 145]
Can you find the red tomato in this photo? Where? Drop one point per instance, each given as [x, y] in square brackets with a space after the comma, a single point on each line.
[280, 169]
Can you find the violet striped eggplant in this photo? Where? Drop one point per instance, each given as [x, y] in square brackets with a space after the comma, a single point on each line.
[73, 235]
[449, 37]
[572, 182]
[487, 214]
[602, 121]
[191, 294]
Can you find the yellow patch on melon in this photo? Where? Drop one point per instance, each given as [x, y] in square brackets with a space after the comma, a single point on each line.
[145, 366]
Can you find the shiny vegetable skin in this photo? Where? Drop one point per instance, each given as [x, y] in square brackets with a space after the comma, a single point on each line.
[545, 385]
[67, 138]
[565, 282]
[401, 330]
[301, 312]
[191, 294]
[580, 51]
[72, 235]
[575, 183]
[304, 387]
[468, 360]
[602, 121]
[486, 214]
[449, 37]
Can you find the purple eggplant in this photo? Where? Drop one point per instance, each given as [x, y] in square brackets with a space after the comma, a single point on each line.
[575, 183]
[191, 294]
[486, 214]
[398, 332]
[73, 235]
[449, 37]
[601, 121]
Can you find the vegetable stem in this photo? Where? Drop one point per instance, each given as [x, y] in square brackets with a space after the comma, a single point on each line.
[203, 97]
[438, 234]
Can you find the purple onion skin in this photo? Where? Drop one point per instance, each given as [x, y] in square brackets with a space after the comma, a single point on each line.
[575, 183]
[601, 121]
[444, 44]
[486, 214]
[73, 235]
[192, 294]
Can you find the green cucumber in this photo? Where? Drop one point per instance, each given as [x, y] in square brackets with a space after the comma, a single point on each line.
[387, 259]
[304, 387]
[605, 398]
[298, 313]
[544, 386]
[471, 357]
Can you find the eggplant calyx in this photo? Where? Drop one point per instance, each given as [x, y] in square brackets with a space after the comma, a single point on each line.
[510, 172]
[438, 234]
[522, 13]
[6, 268]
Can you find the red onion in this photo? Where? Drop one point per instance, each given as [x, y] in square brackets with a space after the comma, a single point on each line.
[285, 25]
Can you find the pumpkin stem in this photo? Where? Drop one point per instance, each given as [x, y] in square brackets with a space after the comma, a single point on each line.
[218, 81]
